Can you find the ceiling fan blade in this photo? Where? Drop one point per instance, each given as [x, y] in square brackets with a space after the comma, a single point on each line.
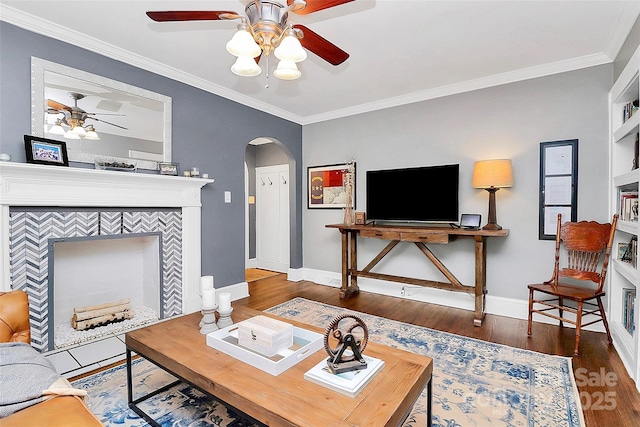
[109, 123]
[316, 5]
[57, 105]
[106, 114]
[321, 46]
[191, 15]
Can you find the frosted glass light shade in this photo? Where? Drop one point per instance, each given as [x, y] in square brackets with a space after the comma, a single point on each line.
[92, 134]
[57, 129]
[79, 130]
[290, 49]
[492, 173]
[287, 70]
[71, 135]
[243, 44]
[245, 66]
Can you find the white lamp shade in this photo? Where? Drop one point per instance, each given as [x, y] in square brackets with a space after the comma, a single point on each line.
[71, 135]
[79, 130]
[246, 66]
[243, 44]
[287, 70]
[492, 173]
[92, 135]
[290, 49]
[57, 129]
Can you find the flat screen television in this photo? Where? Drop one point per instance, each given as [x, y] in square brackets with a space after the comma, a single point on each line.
[422, 194]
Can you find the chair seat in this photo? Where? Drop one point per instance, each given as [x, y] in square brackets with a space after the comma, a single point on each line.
[565, 290]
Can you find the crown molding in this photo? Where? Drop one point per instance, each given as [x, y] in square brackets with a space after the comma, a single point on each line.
[58, 32]
[627, 18]
[29, 22]
[468, 86]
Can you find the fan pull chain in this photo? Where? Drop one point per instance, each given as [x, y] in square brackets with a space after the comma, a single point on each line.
[266, 76]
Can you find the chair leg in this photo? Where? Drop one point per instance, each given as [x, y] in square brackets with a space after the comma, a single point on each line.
[530, 312]
[604, 320]
[578, 326]
[560, 311]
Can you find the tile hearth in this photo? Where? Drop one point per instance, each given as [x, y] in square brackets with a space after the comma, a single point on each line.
[87, 357]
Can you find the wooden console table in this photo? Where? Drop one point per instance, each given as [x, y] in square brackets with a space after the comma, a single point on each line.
[421, 236]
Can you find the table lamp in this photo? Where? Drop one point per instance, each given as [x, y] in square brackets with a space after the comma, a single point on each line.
[492, 175]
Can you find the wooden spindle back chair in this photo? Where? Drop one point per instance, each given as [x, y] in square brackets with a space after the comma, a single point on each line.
[587, 246]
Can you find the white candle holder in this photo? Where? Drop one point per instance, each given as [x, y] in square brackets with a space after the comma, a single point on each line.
[224, 319]
[208, 323]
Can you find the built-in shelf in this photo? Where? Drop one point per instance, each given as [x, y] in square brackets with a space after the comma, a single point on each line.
[623, 276]
[630, 127]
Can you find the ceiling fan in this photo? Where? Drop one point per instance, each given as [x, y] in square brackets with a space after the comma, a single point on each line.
[75, 118]
[266, 29]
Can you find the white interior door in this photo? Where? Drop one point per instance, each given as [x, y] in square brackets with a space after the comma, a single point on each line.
[272, 217]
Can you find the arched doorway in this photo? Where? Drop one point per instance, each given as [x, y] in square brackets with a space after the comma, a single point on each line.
[269, 195]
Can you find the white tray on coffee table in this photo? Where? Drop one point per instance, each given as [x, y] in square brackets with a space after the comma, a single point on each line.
[305, 343]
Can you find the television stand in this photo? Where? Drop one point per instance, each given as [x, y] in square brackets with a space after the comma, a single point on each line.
[421, 236]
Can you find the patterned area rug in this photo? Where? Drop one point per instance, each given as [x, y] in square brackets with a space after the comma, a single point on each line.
[180, 406]
[475, 383]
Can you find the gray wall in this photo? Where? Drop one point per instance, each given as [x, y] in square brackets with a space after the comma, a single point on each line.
[209, 132]
[628, 49]
[506, 121]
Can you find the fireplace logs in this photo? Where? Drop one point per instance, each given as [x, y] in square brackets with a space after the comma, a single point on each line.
[99, 315]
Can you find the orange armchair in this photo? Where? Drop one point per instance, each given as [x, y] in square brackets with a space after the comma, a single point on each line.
[59, 411]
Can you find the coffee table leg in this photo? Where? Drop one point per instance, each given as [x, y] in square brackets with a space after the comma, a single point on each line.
[133, 404]
[429, 399]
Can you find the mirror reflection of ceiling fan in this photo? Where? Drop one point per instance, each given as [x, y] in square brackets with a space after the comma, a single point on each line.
[74, 117]
[266, 29]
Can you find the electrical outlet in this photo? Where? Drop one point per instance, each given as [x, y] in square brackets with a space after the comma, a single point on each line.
[227, 196]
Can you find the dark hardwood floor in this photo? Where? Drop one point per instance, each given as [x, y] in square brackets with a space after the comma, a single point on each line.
[609, 396]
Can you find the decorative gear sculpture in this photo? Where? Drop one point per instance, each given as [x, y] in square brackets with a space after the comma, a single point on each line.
[344, 340]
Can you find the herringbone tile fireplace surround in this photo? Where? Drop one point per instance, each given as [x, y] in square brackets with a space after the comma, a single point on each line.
[42, 205]
[31, 234]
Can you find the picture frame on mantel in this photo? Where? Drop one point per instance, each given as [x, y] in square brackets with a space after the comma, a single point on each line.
[44, 151]
[172, 169]
[326, 186]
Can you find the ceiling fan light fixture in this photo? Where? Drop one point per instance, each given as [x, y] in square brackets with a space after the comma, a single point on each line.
[79, 130]
[290, 49]
[245, 66]
[287, 70]
[243, 44]
[70, 134]
[57, 128]
[91, 134]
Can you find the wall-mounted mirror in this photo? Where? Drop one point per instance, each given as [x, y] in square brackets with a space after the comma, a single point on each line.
[131, 123]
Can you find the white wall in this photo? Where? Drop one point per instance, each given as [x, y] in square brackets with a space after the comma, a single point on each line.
[507, 121]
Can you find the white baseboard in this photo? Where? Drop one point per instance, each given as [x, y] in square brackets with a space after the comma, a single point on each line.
[295, 274]
[280, 267]
[500, 306]
[237, 291]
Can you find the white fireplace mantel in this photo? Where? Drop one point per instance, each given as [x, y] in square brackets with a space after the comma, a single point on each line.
[23, 184]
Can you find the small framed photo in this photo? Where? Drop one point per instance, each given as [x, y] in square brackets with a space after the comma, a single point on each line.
[169, 168]
[44, 151]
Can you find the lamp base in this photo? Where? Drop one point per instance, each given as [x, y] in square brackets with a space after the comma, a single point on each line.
[491, 222]
[492, 227]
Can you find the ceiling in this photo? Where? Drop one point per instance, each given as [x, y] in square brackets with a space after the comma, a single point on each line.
[402, 51]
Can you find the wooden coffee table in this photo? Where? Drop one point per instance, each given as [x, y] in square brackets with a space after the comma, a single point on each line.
[288, 399]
